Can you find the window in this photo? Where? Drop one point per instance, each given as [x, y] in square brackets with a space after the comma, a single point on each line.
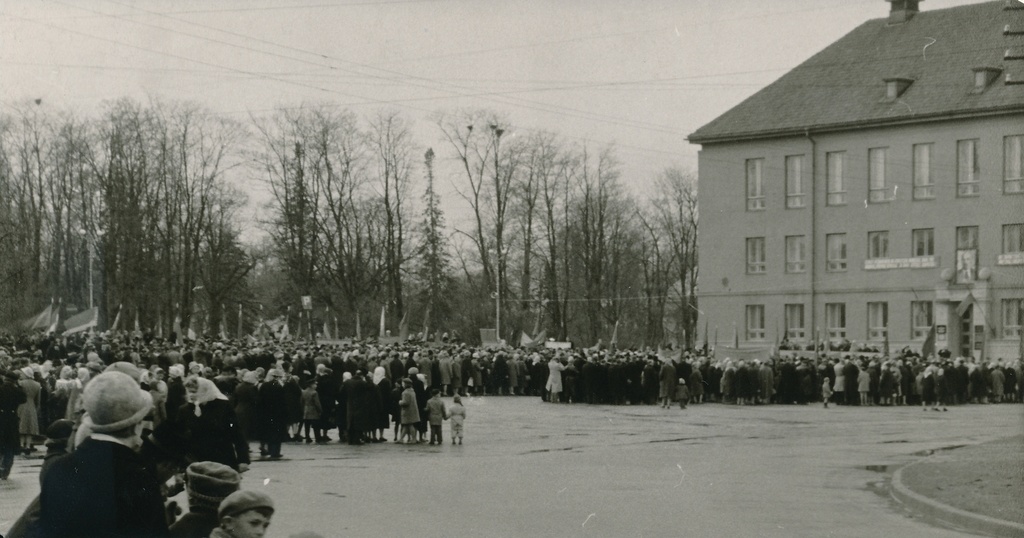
[923, 242]
[878, 321]
[1013, 164]
[876, 175]
[795, 254]
[755, 255]
[835, 252]
[755, 322]
[1012, 317]
[966, 254]
[755, 186]
[921, 319]
[835, 320]
[878, 245]
[795, 322]
[924, 188]
[835, 163]
[1013, 238]
[794, 181]
[968, 168]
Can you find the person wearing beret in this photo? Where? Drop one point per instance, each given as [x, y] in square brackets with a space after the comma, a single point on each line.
[105, 488]
[244, 514]
[207, 484]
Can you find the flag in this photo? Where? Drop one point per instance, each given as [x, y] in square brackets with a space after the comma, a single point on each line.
[240, 334]
[524, 340]
[536, 324]
[359, 335]
[928, 348]
[885, 348]
[137, 328]
[735, 337]
[82, 321]
[117, 319]
[705, 338]
[336, 333]
[283, 332]
[382, 320]
[426, 324]
[56, 318]
[176, 327]
[223, 323]
[327, 329]
[160, 325]
[615, 334]
[964, 305]
[41, 320]
[403, 327]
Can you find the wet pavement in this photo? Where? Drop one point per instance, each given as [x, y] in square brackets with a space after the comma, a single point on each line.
[529, 468]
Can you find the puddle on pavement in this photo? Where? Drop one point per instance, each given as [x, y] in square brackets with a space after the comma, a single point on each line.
[877, 468]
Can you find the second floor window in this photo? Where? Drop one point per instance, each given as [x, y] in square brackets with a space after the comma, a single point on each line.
[968, 168]
[835, 252]
[924, 188]
[796, 254]
[836, 180]
[878, 245]
[755, 255]
[1013, 238]
[795, 181]
[1013, 164]
[923, 242]
[877, 191]
[755, 186]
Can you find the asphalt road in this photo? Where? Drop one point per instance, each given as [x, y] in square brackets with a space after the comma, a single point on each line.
[534, 469]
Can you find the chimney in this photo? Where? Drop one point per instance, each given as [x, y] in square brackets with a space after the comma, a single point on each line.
[902, 10]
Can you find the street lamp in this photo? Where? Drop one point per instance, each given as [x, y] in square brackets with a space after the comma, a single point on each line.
[497, 131]
[90, 242]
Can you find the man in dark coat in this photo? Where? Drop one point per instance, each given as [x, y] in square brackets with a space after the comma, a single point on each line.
[104, 488]
[358, 419]
[272, 413]
[850, 373]
[11, 396]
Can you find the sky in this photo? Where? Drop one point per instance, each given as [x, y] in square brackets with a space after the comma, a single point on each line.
[640, 75]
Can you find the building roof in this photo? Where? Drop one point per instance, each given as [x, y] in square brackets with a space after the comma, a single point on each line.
[843, 86]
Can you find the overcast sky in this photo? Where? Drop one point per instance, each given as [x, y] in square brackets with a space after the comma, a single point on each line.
[639, 74]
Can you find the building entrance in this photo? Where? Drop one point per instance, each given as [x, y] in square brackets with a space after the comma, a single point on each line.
[967, 332]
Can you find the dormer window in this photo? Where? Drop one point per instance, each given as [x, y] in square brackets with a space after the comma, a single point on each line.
[895, 86]
[984, 76]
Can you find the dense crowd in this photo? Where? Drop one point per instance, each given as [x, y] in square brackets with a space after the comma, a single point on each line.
[205, 402]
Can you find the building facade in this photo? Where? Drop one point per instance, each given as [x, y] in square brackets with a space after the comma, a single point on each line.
[875, 193]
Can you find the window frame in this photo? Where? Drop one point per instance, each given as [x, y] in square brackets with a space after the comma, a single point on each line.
[878, 333]
[1008, 312]
[971, 186]
[835, 265]
[878, 194]
[872, 253]
[755, 202]
[754, 333]
[923, 190]
[836, 327]
[1007, 238]
[835, 160]
[795, 192]
[796, 265]
[915, 242]
[794, 332]
[1013, 184]
[920, 332]
[756, 267]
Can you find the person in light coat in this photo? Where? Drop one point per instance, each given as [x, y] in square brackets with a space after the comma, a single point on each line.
[554, 384]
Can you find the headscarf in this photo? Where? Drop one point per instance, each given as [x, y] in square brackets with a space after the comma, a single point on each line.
[346, 376]
[378, 375]
[206, 391]
[250, 377]
[176, 370]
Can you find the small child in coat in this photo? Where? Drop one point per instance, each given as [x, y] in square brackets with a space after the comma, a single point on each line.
[311, 410]
[436, 415]
[826, 391]
[458, 415]
[682, 393]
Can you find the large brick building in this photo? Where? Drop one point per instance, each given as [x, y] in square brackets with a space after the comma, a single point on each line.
[876, 190]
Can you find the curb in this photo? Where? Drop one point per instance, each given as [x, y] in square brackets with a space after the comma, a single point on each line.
[950, 514]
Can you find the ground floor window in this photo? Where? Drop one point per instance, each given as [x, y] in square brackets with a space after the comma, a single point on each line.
[1012, 317]
[795, 328]
[921, 319]
[835, 320]
[878, 321]
[755, 322]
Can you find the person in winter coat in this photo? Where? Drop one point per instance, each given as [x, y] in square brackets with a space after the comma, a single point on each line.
[667, 383]
[311, 411]
[382, 419]
[272, 413]
[436, 415]
[696, 386]
[208, 422]
[28, 412]
[207, 484]
[457, 413]
[246, 394]
[554, 384]
[11, 397]
[410, 413]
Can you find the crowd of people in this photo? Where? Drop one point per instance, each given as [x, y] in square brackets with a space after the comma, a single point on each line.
[193, 410]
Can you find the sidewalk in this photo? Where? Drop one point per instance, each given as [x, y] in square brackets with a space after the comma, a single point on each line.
[978, 488]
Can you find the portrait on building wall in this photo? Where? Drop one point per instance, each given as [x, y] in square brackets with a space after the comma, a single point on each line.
[966, 265]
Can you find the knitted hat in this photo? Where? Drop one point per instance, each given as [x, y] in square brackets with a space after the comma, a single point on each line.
[243, 501]
[114, 401]
[125, 368]
[208, 483]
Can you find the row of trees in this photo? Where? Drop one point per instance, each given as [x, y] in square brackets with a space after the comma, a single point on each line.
[354, 220]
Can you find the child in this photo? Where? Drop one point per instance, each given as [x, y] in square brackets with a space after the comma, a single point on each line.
[244, 514]
[682, 393]
[436, 415]
[458, 415]
[311, 411]
[826, 391]
[410, 413]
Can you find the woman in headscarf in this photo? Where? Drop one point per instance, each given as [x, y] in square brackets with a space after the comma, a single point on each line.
[382, 412]
[74, 408]
[28, 412]
[208, 423]
[61, 392]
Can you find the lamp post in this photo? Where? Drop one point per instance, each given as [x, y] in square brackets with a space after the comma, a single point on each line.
[497, 131]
